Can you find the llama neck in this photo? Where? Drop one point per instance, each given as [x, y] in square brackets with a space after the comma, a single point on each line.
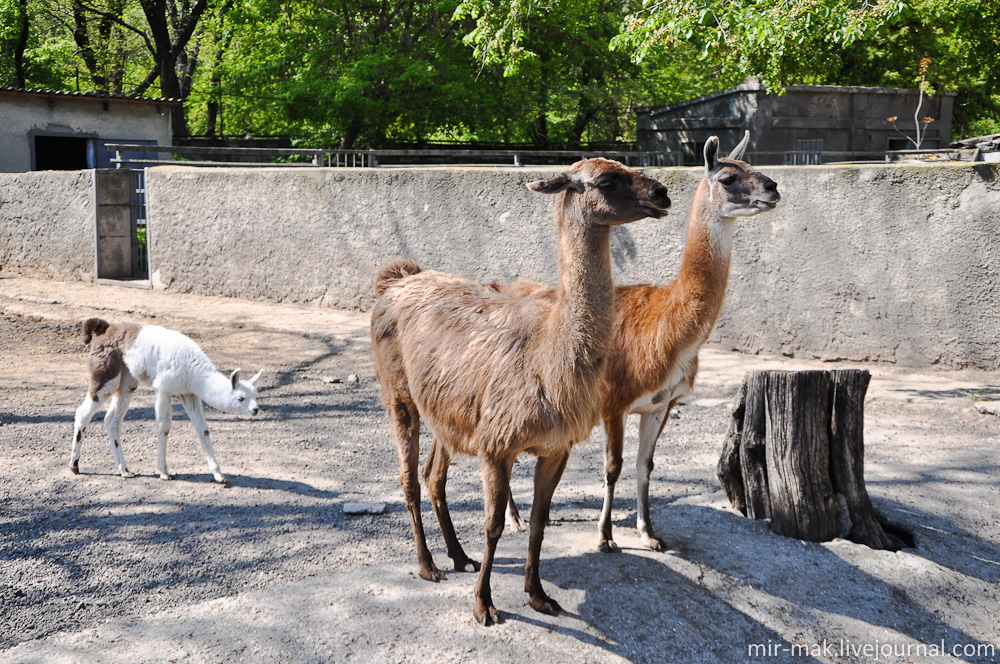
[583, 316]
[214, 389]
[704, 274]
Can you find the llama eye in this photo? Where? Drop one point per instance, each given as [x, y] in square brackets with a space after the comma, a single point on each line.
[605, 184]
[727, 180]
[240, 398]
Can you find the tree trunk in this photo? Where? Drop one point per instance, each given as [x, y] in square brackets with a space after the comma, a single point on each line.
[21, 44]
[794, 454]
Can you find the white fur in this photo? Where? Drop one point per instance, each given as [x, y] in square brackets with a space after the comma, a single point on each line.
[173, 365]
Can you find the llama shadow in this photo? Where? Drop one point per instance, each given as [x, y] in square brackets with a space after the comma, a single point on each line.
[624, 591]
[625, 597]
[623, 247]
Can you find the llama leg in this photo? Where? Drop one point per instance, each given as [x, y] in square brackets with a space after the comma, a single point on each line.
[614, 430]
[436, 476]
[513, 517]
[405, 421]
[496, 489]
[164, 417]
[115, 416]
[548, 472]
[196, 413]
[650, 426]
[84, 414]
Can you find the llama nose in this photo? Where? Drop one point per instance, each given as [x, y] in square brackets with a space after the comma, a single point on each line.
[254, 410]
[660, 194]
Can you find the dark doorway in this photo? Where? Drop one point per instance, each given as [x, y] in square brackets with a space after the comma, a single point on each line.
[61, 153]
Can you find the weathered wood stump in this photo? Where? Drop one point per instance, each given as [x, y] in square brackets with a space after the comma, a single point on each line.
[794, 454]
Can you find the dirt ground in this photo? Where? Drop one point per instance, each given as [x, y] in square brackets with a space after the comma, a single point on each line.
[96, 568]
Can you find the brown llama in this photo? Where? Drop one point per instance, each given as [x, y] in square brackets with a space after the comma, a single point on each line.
[495, 374]
[658, 330]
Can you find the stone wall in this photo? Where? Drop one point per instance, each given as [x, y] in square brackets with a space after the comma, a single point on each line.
[896, 263]
[47, 224]
[893, 263]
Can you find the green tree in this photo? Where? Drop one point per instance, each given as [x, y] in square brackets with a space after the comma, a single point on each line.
[14, 31]
[777, 41]
[347, 72]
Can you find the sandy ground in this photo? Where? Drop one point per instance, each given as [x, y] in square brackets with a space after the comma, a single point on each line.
[96, 568]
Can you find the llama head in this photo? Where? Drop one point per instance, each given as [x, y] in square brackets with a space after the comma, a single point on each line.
[243, 398]
[607, 192]
[734, 187]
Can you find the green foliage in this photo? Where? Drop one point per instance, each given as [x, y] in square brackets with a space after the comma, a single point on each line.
[351, 72]
[370, 73]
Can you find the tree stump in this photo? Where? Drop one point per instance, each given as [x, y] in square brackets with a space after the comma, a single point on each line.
[794, 454]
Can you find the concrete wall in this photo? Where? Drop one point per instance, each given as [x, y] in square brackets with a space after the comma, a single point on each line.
[896, 263]
[25, 115]
[47, 224]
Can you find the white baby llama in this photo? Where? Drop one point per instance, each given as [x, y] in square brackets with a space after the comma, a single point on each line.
[124, 356]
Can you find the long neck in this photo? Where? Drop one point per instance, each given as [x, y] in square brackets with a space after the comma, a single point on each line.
[214, 389]
[580, 327]
[701, 282]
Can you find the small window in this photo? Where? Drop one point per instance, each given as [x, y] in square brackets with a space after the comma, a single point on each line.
[61, 153]
[694, 152]
[899, 143]
[902, 143]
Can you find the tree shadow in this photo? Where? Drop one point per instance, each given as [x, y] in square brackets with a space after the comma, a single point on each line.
[981, 393]
[814, 578]
[141, 548]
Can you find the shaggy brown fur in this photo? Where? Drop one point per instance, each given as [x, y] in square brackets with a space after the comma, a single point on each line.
[659, 329]
[108, 345]
[495, 374]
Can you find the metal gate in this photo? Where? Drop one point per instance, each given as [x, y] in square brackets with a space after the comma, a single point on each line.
[122, 242]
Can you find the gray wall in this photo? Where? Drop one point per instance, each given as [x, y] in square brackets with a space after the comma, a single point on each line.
[47, 224]
[897, 263]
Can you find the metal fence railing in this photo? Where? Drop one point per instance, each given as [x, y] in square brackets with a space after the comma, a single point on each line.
[129, 155]
[125, 156]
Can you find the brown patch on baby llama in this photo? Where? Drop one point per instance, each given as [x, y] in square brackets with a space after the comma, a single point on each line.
[110, 343]
[494, 375]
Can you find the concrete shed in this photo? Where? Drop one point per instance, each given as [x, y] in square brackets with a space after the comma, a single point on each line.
[50, 130]
[808, 124]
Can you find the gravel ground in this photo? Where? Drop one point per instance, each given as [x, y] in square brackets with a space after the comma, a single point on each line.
[96, 568]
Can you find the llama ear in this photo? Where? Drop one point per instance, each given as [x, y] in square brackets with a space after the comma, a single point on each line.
[256, 377]
[557, 183]
[738, 151]
[234, 378]
[711, 152]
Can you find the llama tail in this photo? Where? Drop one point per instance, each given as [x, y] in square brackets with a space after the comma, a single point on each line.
[94, 327]
[392, 271]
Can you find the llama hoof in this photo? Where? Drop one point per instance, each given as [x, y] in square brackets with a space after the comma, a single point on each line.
[516, 524]
[654, 543]
[75, 467]
[432, 574]
[166, 477]
[608, 546]
[222, 479]
[466, 565]
[545, 604]
[486, 615]
[128, 475]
